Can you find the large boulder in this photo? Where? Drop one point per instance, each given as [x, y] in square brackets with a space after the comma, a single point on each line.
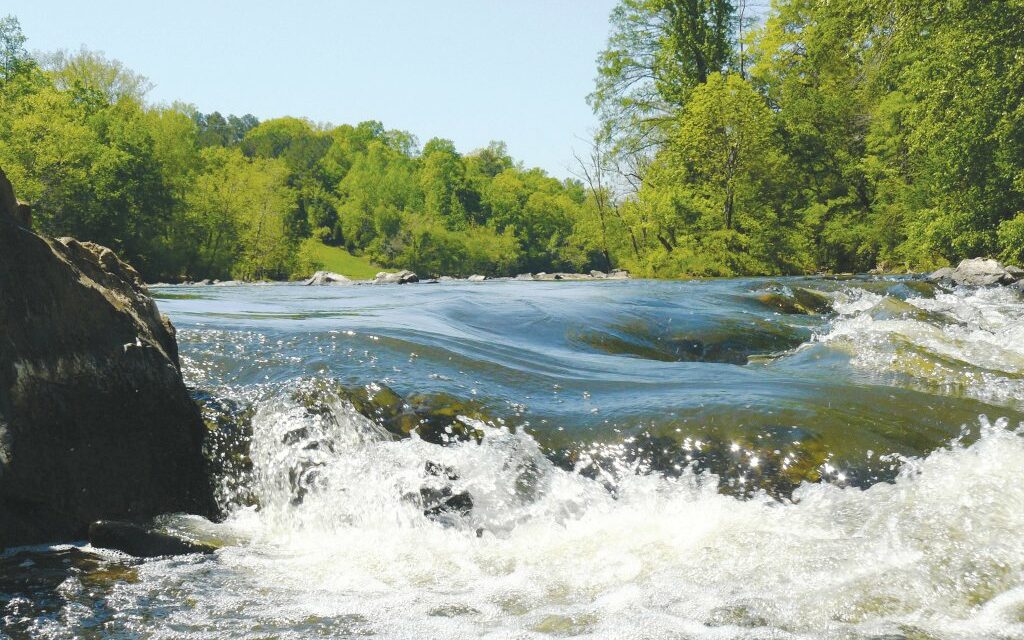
[326, 277]
[95, 420]
[977, 272]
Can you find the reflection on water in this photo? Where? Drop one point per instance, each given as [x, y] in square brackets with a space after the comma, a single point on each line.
[798, 458]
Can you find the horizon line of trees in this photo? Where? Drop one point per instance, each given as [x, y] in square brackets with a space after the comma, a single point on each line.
[185, 195]
[735, 139]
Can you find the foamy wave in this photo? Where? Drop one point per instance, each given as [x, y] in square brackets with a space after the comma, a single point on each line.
[968, 342]
[545, 551]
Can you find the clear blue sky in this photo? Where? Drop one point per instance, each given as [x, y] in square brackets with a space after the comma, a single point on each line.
[468, 70]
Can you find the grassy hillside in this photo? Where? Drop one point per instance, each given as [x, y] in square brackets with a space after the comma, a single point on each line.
[340, 261]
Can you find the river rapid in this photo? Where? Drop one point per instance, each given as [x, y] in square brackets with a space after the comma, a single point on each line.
[644, 459]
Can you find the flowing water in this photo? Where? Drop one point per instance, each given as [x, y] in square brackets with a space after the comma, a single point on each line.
[643, 460]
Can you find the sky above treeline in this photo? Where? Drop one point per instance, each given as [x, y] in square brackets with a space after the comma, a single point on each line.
[468, 70]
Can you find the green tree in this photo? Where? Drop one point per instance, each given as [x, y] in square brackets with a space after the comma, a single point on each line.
[14, 59]
[659, 51]
[443, 181]
[92, 71]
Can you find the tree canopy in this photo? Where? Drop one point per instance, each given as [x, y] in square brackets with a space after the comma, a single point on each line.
[821, 136]
[187, 195]
[833, 136]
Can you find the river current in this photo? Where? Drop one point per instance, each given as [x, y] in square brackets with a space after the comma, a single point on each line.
[788, 458]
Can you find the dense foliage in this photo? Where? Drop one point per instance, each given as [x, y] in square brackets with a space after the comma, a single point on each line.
[816, 135]
[187, 195]
[834, 135]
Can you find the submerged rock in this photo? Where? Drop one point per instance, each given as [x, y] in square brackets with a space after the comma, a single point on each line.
[797, 300]
[437, 418]
[438, 498]
[95, 421]
[978, 272]
[731, 342]
[226, 446]
[141, 542]
[326, 277]
[401, 277]
[44, 583]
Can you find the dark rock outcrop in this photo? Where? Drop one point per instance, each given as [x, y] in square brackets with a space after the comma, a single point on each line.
[141, 542]
[95, 421]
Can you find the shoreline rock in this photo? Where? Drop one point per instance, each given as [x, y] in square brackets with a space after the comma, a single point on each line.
[400, 277]
[326, 278]
[95, 420]
[978, 272]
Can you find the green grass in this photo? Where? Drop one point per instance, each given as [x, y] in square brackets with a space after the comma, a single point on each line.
[340, 261]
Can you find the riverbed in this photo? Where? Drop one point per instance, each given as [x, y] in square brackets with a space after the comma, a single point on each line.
[748, 458]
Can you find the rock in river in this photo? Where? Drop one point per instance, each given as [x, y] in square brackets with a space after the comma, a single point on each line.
[326, 277]
[402, 277]
[141, 542]
[95, 421]
[978, 272]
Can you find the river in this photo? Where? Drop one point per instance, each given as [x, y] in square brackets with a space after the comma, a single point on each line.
[645, 459]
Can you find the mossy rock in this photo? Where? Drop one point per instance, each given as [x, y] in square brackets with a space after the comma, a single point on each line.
[434, 417]
[800, 302]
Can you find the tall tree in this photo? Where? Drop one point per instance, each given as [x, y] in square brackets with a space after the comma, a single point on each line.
[13, 56]
[658, 52]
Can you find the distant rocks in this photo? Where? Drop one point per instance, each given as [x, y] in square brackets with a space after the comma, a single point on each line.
[408, 277]
[326, 278]
[400, 277]
[616, 274]
[979, 272]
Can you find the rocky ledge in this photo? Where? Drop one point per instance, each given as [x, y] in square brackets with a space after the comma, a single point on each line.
[95, 420]
[980, 272]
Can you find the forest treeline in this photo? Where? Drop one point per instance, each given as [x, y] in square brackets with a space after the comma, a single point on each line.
[833, 136]
[819, 135]
[187, 195]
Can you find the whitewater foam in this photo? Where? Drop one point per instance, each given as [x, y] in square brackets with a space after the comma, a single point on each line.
[545, 551]
[967, 341]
